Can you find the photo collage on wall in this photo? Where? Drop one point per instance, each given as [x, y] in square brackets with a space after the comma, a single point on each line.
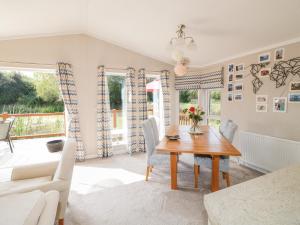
[279, 104]
[235, 82]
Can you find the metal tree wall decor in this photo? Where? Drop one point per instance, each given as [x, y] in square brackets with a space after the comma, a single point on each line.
[255, 69]
[282, 69]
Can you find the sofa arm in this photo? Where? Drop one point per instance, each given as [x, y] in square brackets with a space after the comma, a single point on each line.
[49, 213]
[34, 171]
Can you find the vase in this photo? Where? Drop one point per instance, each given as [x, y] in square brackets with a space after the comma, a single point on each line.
[195, 128]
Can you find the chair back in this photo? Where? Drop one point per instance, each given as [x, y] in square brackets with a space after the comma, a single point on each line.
[4, 130]
[155, 130]
[230, 131]
[223, 125]
[149, 137]
[64, 169]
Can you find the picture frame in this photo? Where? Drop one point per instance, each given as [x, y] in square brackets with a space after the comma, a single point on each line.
[265, 72]
[230, 87]
[294, 97]
[261, 99]
[280, 104]
[239, 76]
[264, 57]
[230, 77]
[230, 68]
[240, 67]
[230, 97]
[238, 97]
[279, 54]
[239, 87]
[295, 86]
[261, 107]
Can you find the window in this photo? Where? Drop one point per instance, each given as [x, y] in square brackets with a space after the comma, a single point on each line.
[187, 98]
[214, 108]
[154, 100]
[34, 99]
[116, 82]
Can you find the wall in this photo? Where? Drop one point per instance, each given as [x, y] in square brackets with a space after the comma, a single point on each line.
[282, 125]
[85, 54]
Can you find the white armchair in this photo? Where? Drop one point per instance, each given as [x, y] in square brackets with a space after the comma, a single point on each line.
[45, 177]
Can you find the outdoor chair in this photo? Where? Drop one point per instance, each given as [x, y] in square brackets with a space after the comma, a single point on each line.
[5, 128]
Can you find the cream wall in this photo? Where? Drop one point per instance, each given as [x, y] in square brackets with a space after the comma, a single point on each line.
[282, 125]
[85, 54]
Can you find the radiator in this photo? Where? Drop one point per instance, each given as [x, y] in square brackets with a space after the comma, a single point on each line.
[266, 153]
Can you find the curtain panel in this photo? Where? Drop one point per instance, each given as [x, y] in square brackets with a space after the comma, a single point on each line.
[131, 110]
[200, 81]
[142, 108]
[69, 94]
[104, 141]
[165, 85]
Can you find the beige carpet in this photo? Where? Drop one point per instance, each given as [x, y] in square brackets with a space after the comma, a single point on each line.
[113, 192]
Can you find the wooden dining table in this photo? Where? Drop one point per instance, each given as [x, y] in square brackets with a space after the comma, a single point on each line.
[211, 143]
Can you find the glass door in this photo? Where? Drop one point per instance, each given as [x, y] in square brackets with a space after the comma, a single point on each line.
[187, 98]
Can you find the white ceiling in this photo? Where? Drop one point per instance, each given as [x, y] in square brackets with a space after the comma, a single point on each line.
[222, 29]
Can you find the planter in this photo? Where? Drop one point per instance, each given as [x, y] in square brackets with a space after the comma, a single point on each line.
[55, 145]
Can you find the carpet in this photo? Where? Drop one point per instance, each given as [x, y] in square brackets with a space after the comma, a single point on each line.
[113, 192]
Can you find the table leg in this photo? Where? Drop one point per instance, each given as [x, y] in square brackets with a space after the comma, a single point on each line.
[173, 168]
[215, 173]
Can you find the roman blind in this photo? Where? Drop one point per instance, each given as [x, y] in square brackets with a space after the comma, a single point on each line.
[200, 81]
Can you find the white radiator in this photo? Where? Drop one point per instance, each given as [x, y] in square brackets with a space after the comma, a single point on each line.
[267, 153]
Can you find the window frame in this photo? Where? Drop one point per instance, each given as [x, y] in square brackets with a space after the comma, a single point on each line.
[207, 98]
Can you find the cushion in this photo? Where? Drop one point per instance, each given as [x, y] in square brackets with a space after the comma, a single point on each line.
[48, 215]
[11, 185]
[27, 206]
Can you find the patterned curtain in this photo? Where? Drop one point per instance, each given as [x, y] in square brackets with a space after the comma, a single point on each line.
[165, 84]
[104, 141]
[68, 90]
[142, 108]
[131, 109]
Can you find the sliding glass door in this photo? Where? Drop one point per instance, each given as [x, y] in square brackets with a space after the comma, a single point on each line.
[187, 98]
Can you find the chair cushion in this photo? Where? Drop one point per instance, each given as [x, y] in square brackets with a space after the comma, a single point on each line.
[159, 159]
[11, 185]
[207, 162]
[22, 209]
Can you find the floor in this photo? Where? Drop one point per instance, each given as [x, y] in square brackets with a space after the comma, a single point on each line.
[113, 191]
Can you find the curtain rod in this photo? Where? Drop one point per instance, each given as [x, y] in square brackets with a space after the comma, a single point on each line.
[29, 63]
[125, 69]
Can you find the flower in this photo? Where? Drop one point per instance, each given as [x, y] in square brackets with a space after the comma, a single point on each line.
[192, 109]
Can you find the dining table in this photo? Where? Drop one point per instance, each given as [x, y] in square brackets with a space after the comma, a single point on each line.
[209, 143]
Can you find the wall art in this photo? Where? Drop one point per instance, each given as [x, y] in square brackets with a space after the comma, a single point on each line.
[294, 97]
[262, 99]
[279, 104]
[295, 86]
[254, 70]
[261, 107]
[264, 58]
[238, 97]
[279, 54]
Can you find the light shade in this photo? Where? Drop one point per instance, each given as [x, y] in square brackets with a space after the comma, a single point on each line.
[180, 69]
[177, 55]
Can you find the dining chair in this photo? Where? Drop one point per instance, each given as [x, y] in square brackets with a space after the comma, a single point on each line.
[223, 126]
[153, 158]
[206, 160]
[5, 128]
[155, 130]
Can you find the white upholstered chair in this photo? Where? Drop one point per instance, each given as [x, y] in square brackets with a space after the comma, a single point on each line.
[30, 208]
[151, 140]
[45, 177]
[228, 130]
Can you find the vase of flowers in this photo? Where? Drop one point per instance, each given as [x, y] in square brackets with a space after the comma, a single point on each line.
[195, 114]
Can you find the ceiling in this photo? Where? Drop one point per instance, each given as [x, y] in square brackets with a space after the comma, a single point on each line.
[221, 29]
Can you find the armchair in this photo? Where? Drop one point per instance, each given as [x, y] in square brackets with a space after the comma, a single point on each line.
[45, 177]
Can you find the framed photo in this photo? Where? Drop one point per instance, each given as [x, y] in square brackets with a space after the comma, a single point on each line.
[261, 99]
[230, 77]
[239, 76]
[238, 97]
[295, 86]
[230, 68]
[265, 72]
[240, 67]
[230, 87]
[279, 104]
[294, 97]
[263, 58]
[279, 54]
[261, 108]
[238, 87]
[230, 97]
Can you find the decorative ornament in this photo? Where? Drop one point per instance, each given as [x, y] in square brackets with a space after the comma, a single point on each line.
[255, 69]
[282, 69]
[180, 69]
